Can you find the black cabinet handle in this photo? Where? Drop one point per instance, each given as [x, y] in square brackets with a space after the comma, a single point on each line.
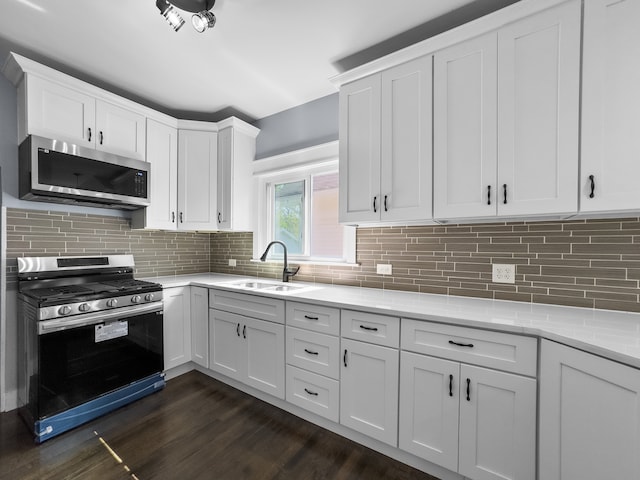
[344, 357]
[173, 217]
[310, 392]
[181, 219]
[219, 217]
[375, 208]
[488, 194]
[310, 352]
[238, 329]
[468, 389]
[89, 134]
[451, 385]
[308, 317]
[101, 137]
[244, 331]
[593, 186]
[369, 329]
[504, 187]
[470, 345]
[385, 204]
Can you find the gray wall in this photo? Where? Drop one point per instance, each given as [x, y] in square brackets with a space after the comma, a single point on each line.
[303, 126]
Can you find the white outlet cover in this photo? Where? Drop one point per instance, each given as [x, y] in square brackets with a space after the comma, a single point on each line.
[384, 269]
[504, 273]
[232, 262]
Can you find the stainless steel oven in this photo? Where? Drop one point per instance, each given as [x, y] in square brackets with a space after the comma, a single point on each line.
[91, 339]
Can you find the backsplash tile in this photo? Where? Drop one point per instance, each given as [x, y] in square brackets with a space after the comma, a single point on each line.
[49, 233]
[585, 263]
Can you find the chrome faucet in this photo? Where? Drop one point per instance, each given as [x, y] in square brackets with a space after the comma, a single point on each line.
[286, 273]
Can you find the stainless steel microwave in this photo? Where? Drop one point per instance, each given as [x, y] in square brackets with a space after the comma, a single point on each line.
[62, 172]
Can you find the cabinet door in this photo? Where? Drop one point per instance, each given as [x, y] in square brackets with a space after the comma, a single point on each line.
[538, 112]
[59, 112]
[200, 326]
[589, 416]
[225, 178]
[360, 151]
[162, 153]
[497, 425]
[120, 131]
[197, 166]
[429, 398]
[177, 327]
[610, 106]
[264, 356]
[369, 390]
[406, 141]
[465, 117]
[226, 354]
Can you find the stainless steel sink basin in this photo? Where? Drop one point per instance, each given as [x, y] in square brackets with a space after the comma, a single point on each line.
[268, 286]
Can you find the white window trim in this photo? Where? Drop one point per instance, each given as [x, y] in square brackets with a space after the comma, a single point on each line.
[306, 161]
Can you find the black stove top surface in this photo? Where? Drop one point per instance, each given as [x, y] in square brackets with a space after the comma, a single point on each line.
[62, 294]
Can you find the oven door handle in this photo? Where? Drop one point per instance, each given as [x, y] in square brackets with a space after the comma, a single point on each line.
[49, 326]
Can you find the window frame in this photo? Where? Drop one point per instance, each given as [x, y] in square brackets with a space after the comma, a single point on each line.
[290, 167]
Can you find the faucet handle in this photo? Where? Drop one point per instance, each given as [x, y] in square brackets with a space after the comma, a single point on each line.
[288, 273]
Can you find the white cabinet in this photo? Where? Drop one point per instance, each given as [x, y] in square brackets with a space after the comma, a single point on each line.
[245, 348]
[177, 326]
[610, 153]
[200, 326]
[197, 173]
[506, 119]
[63, 113]
[162, 154]
[236, 153]
[385, 145]
[477, 421]
[589, 416]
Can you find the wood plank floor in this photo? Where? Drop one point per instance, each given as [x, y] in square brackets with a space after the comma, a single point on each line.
[196, 428]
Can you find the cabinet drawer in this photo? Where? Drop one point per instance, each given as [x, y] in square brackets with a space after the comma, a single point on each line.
[313, 351]
[313, 392]
[368, 327]
[314, 317]
[502, 351]
[264, 308]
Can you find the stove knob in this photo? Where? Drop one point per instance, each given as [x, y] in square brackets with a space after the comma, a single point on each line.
[148, 297]
[84, 307]
[135, 299]
[65, 310]
[112, 302]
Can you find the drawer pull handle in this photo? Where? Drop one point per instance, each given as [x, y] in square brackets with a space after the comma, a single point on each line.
[593, 185]
[309, 317]
[238, 329]
[244, 331]
[504, 187]
[468, 389]
[310, 352]
[344, 358]
[451, 385]
[369, 329]
[375, 208]
[89, 134]
[488, 194]
[309, 392]
[470, 345]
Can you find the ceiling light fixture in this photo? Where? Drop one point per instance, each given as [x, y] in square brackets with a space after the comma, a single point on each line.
[201, 20]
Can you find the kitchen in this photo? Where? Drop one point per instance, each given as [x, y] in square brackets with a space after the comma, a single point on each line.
[578, 262]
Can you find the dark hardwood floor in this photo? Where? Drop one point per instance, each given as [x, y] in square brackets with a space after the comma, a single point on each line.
[196, 428]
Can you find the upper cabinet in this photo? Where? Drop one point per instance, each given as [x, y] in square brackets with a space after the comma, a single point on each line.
[385, 145]
[236, 152]
[55, 106]
[610, 107]
[506, 120]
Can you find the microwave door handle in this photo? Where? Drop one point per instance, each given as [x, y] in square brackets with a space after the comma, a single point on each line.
[55, 325]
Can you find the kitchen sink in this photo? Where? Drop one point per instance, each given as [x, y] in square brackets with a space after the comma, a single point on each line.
[280, 287]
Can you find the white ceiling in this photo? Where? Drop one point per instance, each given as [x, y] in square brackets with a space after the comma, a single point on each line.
[262, 57]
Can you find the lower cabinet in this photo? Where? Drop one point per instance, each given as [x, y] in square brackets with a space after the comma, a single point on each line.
[589, 416]
[176, 326]
[369, 390]
[200, 326]
[248, 350]
[476, 421]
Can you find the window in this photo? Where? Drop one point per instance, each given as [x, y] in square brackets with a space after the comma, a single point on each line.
[298, 205]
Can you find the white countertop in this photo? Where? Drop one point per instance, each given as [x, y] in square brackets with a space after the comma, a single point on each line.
[611, 334]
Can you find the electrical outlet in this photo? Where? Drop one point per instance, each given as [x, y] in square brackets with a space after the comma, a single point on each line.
[383, 269]
[232, 262]
[503, 273]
